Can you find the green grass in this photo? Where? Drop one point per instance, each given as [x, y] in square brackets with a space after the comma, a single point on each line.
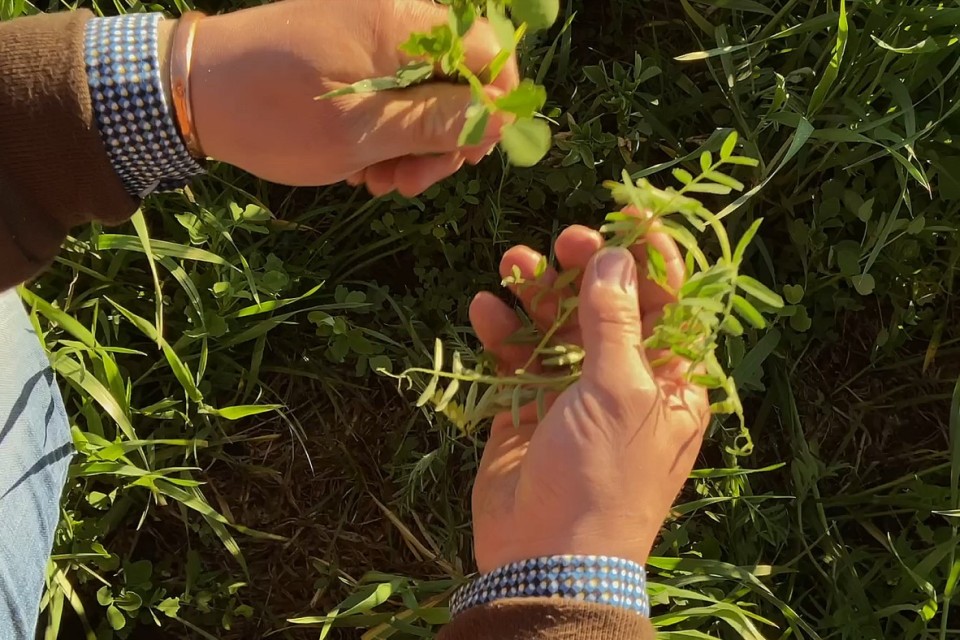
[249, 474]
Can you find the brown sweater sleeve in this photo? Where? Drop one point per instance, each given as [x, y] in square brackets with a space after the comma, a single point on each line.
[547, 619]
[54, 171]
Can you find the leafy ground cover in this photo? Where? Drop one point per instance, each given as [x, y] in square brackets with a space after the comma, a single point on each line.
[251, 474]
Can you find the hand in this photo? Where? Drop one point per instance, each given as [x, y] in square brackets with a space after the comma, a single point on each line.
[598, 474]
[256, 74]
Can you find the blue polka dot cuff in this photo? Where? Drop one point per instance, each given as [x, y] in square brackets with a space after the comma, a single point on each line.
[133, 113]
[593, 579]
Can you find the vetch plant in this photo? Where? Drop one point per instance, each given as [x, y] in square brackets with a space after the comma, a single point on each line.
[526, 140]
[714, 299]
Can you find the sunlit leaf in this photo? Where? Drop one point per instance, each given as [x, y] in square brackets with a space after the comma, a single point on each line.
[526, 141]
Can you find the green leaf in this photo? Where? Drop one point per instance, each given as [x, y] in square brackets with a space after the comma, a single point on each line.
[848, 258]
[703, 187]
[800, 321]
[160, 248]
[73, 371]
[566, 278]
[140, 226]
[170, 607]
[697, 18]
[732, 326]
[129, 601]
[180, 370]
[740, 5]
[724, 179]
[682, 176]
[916, 225]
[927, 45]
[832, 71]
[745, 241]
[371, 597]
[759, 291]
[407, 75]
[438, 42]
[431, 388]
[706, 161]
[793, 293]
[656, 265]
[748, 312]
[800, 137]
[104, 596]
[462, 18]
[116, 618]
[476, 125]
[729, 145]
[138, 573]
[536, 14]
[414, 73]
[242, 411]
[60, 317]
[526, 141]
[864, 284]
[524, 101]
[502, 26]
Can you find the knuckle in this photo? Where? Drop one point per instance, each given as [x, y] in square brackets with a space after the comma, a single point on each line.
[434, 118]
[611, 306]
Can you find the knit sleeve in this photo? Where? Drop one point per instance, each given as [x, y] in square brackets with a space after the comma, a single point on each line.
[547, 619]
[54, 170]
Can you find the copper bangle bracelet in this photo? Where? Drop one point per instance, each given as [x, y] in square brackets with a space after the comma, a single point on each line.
[181, 57]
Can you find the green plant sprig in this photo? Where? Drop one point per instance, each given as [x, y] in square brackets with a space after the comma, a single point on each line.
[715, 299]
[527, 138]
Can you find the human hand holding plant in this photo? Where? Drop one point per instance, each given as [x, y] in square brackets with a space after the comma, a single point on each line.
[598, 473]
[257, 73]
[600, 405]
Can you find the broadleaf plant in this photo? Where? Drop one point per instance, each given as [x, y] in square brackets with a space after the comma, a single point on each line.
[441, 51]
[715, 299]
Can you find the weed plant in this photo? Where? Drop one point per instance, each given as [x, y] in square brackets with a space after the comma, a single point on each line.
[242, 469]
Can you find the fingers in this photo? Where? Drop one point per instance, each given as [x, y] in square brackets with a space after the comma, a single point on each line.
[495, 323]
[409, 176]
[611, 326]
[480, 43]
[421, 120]
[651, 293]
[357, 179]
[539, 299]
[474, 155]
[380, 178]
[416, 174]
[482, 48]
[574, 248]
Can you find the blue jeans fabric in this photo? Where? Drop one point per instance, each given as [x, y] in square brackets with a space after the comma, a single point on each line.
[35, 452]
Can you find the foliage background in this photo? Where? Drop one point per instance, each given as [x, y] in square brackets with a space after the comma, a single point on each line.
[254, 470]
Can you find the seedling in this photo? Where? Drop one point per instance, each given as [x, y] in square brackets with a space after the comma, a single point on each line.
[714, 299]
[441, 52]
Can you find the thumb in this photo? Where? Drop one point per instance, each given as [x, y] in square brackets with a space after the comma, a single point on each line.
[610, 323]
[424, 119]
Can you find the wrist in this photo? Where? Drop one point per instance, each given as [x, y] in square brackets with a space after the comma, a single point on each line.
[124, 60]
[214, 84]
[605, 580]
[615, 537]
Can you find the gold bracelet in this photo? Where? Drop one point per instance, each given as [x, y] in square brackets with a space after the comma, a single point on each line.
[181, 57]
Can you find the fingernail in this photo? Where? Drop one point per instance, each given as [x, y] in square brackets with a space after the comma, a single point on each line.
[615, 267]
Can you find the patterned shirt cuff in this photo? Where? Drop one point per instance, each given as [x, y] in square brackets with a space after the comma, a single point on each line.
[593, 579]
[133, 112]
